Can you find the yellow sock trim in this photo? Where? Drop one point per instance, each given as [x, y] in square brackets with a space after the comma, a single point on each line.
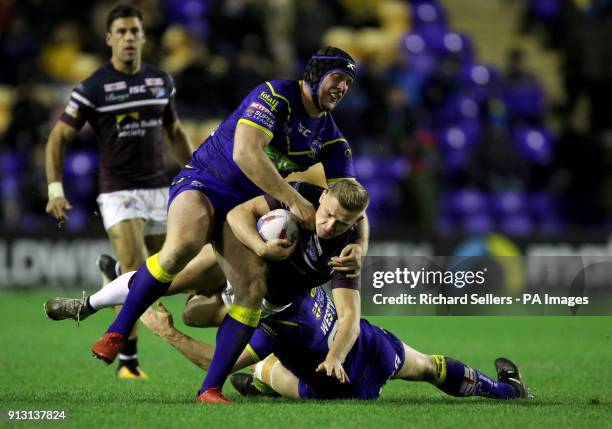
[440, 374]
[244, 315]
[252, 352]
[157, 271]
[262, 387]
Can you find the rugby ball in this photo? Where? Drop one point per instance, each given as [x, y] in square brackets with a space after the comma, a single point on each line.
[278, 223]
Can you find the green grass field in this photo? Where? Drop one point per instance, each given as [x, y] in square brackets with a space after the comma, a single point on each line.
[47, 365]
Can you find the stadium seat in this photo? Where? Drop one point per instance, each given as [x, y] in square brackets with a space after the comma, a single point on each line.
[524, 101]
[507, 203]
[80, 163]
[455, 143]
[461, 202]
[427, 12]
[517, 225]
[481, 81]
[534, 143]
[421, 60]
[458, 44]
[11, 163]
[545, 10]
[477, 223]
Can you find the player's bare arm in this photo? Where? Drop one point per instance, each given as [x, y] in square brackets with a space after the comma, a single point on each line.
[61, 135]
[347, 303]
[180, 145]
[242, 219]
[249, 143]
[159, 321]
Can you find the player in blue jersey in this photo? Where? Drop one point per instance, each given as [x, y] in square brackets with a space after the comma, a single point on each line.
[129, 105]
[280, 127]
[296, 268]
[288, 346]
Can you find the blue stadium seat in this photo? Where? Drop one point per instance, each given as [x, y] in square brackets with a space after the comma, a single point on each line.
[535, 143]
[518, 225]
[465, 201]
[455, 143]
[11, 163]
[524, 100]
[80, 163]
[507, 203]
[477, 223]
[427, 12]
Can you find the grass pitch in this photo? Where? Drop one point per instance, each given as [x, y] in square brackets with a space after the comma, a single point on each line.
[47, 365]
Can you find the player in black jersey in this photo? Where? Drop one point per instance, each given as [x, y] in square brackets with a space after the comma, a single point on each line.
[129, 105]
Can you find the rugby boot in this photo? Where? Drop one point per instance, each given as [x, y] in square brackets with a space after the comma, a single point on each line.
[128, 372]
[508, 372]
[245, 385]
[67, 308]
[107, 265]
[214, 396]
[108, 347]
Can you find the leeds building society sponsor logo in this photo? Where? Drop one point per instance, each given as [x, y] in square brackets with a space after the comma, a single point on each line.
[134, 127]
[115, 86]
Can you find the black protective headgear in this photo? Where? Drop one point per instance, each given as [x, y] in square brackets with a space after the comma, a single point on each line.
[326, 61]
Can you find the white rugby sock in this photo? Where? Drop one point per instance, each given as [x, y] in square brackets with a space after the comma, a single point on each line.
[113, 293]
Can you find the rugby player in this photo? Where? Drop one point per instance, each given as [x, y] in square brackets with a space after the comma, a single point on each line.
[279, 128]
[291, 272]
[129, 105]
[288, 345]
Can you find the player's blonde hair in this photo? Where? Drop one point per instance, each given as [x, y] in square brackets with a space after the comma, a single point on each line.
[350, 194]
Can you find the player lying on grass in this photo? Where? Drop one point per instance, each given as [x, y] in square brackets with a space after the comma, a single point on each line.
[288, 346]
[290, 272]
[372, 342]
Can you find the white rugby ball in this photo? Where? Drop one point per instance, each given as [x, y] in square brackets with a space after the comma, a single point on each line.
[278, 223]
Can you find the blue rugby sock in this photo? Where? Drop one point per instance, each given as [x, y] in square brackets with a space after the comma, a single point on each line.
[148, 284]
[232, 337]
[458, 379]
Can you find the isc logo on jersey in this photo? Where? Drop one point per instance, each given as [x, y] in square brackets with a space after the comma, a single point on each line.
[138, 89]
[278, 223]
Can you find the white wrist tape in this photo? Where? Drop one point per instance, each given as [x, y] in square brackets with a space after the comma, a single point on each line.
[55, 190]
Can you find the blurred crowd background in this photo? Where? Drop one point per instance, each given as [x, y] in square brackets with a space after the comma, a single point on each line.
[468, 116]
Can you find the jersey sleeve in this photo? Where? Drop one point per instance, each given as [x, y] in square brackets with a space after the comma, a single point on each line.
[337, 158]
[341, 281]
[262, 343]
[264, 108]
[80, 107]
[170, 116]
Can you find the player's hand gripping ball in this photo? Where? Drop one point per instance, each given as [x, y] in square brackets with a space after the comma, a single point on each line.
[280, 231]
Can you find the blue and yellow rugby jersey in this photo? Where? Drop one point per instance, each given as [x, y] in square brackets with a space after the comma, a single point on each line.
[298, 140]
[300, 336]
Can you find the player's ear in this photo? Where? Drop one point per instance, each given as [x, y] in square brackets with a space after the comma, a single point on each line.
[108, 39]
[325, 191]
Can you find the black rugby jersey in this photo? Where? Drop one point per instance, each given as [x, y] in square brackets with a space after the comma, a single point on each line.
[307, 266]
[127, 114]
